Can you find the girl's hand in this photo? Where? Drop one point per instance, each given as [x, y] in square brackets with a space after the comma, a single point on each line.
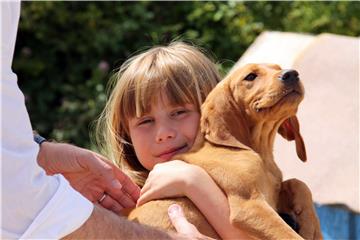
[177, 178]
[169, 179]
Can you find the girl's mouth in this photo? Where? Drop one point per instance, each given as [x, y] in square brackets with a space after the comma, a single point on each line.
[167, 155]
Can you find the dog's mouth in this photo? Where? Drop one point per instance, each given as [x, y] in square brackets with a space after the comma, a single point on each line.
[277, 98]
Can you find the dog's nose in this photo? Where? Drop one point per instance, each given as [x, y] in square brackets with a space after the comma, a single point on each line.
[289, 76]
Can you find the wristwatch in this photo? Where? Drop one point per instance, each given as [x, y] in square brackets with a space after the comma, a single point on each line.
[39, 139]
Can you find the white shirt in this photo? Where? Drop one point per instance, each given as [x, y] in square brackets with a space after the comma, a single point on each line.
[33, 204]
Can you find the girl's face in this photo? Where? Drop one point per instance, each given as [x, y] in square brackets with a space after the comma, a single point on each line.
[163, 132]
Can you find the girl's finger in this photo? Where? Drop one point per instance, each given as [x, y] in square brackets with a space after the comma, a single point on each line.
[145, 188]
[142, 199]
[145, 197]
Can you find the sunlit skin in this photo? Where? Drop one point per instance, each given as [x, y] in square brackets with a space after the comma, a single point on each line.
[165, 131]
[162, 133]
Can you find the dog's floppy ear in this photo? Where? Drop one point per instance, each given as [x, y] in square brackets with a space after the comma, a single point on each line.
[219, 121]
[290, 130]
[220, 136]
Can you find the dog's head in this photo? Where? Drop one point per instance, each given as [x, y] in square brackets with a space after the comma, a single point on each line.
[266, 91]
[262, 94]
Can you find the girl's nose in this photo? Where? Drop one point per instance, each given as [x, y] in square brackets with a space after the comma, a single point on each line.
[164, 133]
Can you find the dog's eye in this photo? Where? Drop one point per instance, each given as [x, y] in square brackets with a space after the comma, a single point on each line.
[250, 77]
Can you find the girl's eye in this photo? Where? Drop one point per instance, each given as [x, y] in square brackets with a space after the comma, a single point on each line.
[145, 121]
[179, 112]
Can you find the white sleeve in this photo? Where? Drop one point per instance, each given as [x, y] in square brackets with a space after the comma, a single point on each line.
[33, 205]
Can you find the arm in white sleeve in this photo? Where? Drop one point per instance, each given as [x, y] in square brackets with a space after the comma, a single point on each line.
[34, 205]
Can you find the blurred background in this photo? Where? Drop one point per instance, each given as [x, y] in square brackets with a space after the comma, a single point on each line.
[67, 51]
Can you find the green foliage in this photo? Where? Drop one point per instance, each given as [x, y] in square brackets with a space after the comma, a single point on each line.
[66, 51]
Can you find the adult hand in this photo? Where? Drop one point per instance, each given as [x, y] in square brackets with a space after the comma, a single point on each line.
[91, 174]
[169, 179]
[182, 226]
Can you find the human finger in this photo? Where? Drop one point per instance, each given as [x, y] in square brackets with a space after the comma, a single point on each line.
[120, 196]
[180, 222]
[147, 185]
[109, 203]
[147, 196]
[128, 185]
[122, 179]
[124, 199]
[104, 170]
[92, 192]
[117, 188]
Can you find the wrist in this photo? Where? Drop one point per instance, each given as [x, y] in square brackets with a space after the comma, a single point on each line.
[43, 156]
[194, 181]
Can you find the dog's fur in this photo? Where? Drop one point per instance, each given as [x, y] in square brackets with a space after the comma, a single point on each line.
[240, 119]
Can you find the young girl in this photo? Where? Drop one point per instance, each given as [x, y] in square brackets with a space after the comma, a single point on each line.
[153, 114]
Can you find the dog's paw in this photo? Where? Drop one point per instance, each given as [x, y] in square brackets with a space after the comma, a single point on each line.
[297, 201]
[306, 218]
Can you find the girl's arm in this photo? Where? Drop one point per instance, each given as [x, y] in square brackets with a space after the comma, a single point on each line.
[213, 203]
[177, 178]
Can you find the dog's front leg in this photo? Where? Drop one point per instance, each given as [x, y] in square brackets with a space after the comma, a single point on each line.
[257, 218]
[296, 200]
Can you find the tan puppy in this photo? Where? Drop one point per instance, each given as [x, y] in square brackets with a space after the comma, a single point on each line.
[240, 119]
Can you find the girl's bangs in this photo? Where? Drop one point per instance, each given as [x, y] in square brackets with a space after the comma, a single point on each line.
[147, 90]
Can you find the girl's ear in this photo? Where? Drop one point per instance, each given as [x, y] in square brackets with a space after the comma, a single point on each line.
[290, 130]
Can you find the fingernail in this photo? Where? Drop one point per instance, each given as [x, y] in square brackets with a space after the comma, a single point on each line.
[116, 184]
[174, 210]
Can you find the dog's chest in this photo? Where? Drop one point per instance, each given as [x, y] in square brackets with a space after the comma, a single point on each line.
[238, 172]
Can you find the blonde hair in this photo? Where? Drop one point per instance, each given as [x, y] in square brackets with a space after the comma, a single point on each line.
[181, 71]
